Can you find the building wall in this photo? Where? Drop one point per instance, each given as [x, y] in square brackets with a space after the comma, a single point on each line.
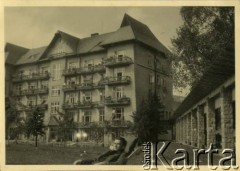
[212, 120]
[144, 67]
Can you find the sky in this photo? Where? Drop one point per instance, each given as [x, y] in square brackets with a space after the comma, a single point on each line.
[33, 27]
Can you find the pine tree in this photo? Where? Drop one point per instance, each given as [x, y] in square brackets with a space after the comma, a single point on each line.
[147, 121]
[35, 124]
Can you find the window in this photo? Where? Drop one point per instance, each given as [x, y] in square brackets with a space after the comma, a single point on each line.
[87, 79]
[101, 115]
[44, 84]
[118, 113]
[151, 78]
[54, 107]
[44, 69]
[120, 54]
[31, 101]
[119, 73]
[72, 65]
[150, 61]
[32, 86]
[87, 96]
[19, 87]
[87, 118]
[56, 91]
[72, 98]
[56, 75]
[102, 95]
[118, 92]
[88, 64]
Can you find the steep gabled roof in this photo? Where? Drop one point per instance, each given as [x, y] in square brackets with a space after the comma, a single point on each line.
[71, 40]
[143, 34]
[13, 53]
[31, 56]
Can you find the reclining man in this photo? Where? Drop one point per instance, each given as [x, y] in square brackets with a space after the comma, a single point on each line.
[115, 156]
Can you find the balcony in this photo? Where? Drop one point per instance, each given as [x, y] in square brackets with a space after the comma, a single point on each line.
[31, 77]
[42, 91]
[70, 72]
[42, 106]
[120, 80]
[85, 86]
[124, 101]
[99, 85]
[68, 105]
[100, 104]
[118, 61]
[30, 92]
[99, 68]
[85, 105]
[69, 87]
[89, 124]
[119, 123]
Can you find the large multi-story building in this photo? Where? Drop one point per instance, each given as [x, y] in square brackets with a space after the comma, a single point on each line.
[96, 80]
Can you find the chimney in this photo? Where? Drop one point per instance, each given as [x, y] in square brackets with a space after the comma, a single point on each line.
[94, 34]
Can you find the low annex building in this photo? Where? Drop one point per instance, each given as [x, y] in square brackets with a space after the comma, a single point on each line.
[207, 114]
[98, 80]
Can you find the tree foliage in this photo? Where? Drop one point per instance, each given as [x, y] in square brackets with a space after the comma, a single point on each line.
[35, 124]
[13, 120]
[65, 126]
[207, 32]
[147, 120]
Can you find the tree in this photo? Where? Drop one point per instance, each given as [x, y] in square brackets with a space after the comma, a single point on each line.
[65, 126]
[206, 34]
[15, 125]
[147, 121]
[35, 124]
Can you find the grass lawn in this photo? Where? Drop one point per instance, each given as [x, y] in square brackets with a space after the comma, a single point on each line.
[55, 155]
[46, 154]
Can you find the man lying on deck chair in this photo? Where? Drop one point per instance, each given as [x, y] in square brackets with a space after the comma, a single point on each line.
[115, 156]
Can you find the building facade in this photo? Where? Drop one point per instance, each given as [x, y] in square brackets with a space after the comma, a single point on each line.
[207, 115]
[96, 80]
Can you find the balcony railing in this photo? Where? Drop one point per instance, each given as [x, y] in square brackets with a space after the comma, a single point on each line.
[99, 85]
[89, 124]
[117, 80]
[68, 105]
[70, 71]
[85, 86]
[31, 77]
[85, 105]
[29, 107]
[29, 92]
[114, 61]
[70, 87]
[119, 123]
[42, 91]
[109, 101]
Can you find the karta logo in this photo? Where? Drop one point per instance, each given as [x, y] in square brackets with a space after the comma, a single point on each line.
[152, 158]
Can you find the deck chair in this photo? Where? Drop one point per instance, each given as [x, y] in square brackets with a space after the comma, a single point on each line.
[133, 150]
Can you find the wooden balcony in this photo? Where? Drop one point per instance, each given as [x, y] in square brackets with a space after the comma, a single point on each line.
[85, 105]
[69, 87]
[117, 80]
[119, 123]
[31, 77]
[118, 61]
[85, 86]
[42, 91]
[70, 72]
[89, 124]
[124, 101]
[68, 105]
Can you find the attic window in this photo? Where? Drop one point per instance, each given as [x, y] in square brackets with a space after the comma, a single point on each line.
[32, 56]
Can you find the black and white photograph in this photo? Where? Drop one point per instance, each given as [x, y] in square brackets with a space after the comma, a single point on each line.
[144, 86]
